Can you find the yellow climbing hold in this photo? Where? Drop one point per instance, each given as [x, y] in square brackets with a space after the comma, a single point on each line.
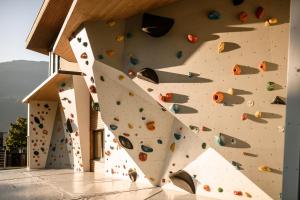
[264, 168]
[230, 91]
[258, 114]
[111, 23]
[131, 94]
[130, 126]
[172, 147]
[120, 38]
[273, 21]
[248, 194]
[121, 77]
[221, 47]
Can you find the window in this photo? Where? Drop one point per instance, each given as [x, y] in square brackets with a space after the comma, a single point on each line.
[98, 144]
[54, 63]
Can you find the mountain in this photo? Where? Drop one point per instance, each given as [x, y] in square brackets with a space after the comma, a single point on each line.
[17, 79]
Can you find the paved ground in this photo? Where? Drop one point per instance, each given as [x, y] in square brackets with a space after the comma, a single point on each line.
[62, 184]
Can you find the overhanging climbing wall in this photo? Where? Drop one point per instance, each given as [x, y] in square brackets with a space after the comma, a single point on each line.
[237, 55]
[41, 122]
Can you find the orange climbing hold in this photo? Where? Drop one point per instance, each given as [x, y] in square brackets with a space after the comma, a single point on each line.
[263, 66]
[237, 70]
[218, 97]
[238, 193]
[207, 188]
[166, 98]
[192, 38]
[151, 125]
[264, 168]
[143, 156]
[110, 53]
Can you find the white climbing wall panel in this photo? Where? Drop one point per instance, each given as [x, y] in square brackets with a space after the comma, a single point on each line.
[128, 105]
[41, 122]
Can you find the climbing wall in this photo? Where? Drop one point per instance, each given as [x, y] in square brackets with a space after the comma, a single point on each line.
[58, 157]
[222, 71]
[41, 121]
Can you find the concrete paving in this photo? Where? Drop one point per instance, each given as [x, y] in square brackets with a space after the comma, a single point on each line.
[64, 184]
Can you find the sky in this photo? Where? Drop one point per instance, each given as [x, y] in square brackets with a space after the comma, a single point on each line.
[16, 19]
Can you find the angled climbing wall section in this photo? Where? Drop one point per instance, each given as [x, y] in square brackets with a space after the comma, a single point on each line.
[41, 121]
[190, 83]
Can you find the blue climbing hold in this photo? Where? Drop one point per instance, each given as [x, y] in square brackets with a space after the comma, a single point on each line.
[177, 136]
[113, 127]
[214, 15]
[146, 149]
[134, 61]
[220, 140]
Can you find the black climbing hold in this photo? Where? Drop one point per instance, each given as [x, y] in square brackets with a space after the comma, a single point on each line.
[42, 149]
[141, 109]
[156, 26]
[183, 180]
[146, 149]
[237, 2]
[214, 15]
[100, 57]
[203, 145]
[79, 39]
[46, 105]
[36, 153]
[85, 44]
[87, 62]
[101, 78]
[179, 54]
[132, 175]
[125, 142]
[92, 79]
[37, 120]
[177, 136]
[278, 100]
[159, 141]
[69, 126]
[148, 74]
[41, 126]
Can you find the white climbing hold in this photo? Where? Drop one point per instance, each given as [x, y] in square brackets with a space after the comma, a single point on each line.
[280, 129]
[250, 103]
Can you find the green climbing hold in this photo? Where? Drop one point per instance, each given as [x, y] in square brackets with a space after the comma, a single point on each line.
[220, 189]
[113, 127]
[179, 54]
[270, 86]
[146, 149]
[175, 108]
[214, 15]
[220, 140]
[133, 60]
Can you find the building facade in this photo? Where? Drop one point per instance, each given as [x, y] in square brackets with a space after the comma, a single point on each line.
[180, 94]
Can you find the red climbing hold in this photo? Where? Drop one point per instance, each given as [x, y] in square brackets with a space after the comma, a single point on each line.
[238, 193]
[93, 89]
[143, 156]
[166, 98]
[192, 38]
[243, 17]
[259, 12]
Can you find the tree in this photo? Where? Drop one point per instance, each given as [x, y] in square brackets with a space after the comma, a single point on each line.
[17, 135]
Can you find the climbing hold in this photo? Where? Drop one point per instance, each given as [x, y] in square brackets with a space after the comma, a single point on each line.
[118, 103]
[121, 77]
[146, 149]
[148, 74]
[149, 89]
[250, 103]
[264, 168]
[238, 193]
[221, 47]
[166, 98]
[37, 120]
[120, 38]
[218, 97]
[100, 57]
[133, 60]
[220, 189]
[130, 126]
[230, 91]
[156, 26]
[270, 86]
[194, 128]
[280, 129]
[177, 136]
[244, 116]
[131, 73]
[237, 2]
[85, 44]
[110, 53]
[273, 21]
[236, 164]
[125, 142]
[150, 125]
[258, 114]
[159, 141]
[93, 89]
[84, 56]
[248, 194]
[141, 109]
[175, 108]
[113, 127]
[259, 12]
[130, 94]
[172, 147]
[263, 66]
[179, 54]
[192, 38]
[143, 156]
[203, 145]
[243, 16]
[128, 35]
[87, 62]
[102, 78]
[278, 100]
[206, 187]
[220, 140]
[69, 126]
[36, 153]
[92, 79]
[183, 180]
[237, 70]
[132, 174]
[79, 39]
[214, 15]
[111, 23]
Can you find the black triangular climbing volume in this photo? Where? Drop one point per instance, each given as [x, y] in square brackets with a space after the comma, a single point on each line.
[183, 180]
[148, 74]
[278, 100]
[156, 26]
